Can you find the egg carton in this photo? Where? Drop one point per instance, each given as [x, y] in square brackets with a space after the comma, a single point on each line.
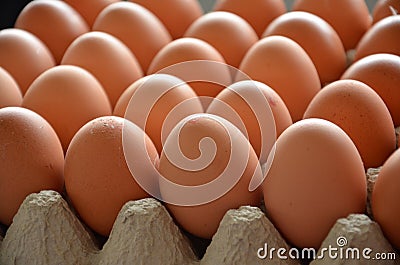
[46, 231]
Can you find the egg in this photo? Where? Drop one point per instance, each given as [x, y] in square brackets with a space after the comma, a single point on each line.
[382, 73]
[10, 94]
[97, 178]
[108, 59]
[17, 47]
[316, 177]
[257, 110]
[89, 9]
[54, 22]
[386, 197]
[327, 54]
[240, 34]
[349, 18]
[206, 71]
[383, 37]
[282, 64]
[259, 13]
[206, 166]
[176, 15]
[139, 29]
[362, 114]
[67, 97]
[158, 103]
[31, 159]
[385, 8]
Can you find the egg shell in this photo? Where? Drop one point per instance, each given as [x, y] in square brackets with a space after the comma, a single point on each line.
[108, 59]
[139, 29]
[282, 64]
[17, 47]
[303, 198]
[259, 13]
[176, 15]
[383, 37]
[198, 212]
[327, 54]
[386, 197]
[31, 159]
[385, 8]
[382, 73]
[89, 9]
[67, 97]
[158, 103]
[10, 94]
[254, 117]
[362, 114]
[97, 178]
[349, 18]
[206, 79]
[240, 34]
[56, 23]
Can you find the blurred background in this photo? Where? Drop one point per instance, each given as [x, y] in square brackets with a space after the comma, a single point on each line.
[9, 9]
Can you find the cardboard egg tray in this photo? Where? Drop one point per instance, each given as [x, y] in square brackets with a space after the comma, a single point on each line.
[45, 231]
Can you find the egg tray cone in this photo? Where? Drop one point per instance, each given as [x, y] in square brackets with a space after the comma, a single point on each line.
[46, 231]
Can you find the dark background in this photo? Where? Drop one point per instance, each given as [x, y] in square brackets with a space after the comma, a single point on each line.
[9, 9]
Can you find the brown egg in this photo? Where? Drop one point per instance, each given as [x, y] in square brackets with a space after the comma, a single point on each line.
[383, 37]
[240, 34]
[176, 15]
[158, 103]
[67, 97]
[10, 95]
[206, 79]
[108, 59]
[90, 9]
[32, 159]
[362, 114]
[385, 8]
[382, 73]
[327, 54]
[54, 22]
[17, 48]
[140, 30]
[386, 197]
[259, 13]
[97, 178]
[349, 18]
[282, 64]
[316, 177]
[257, 110]
[207, 166]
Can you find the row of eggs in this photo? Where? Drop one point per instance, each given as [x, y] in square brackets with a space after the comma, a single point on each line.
[313, 181]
